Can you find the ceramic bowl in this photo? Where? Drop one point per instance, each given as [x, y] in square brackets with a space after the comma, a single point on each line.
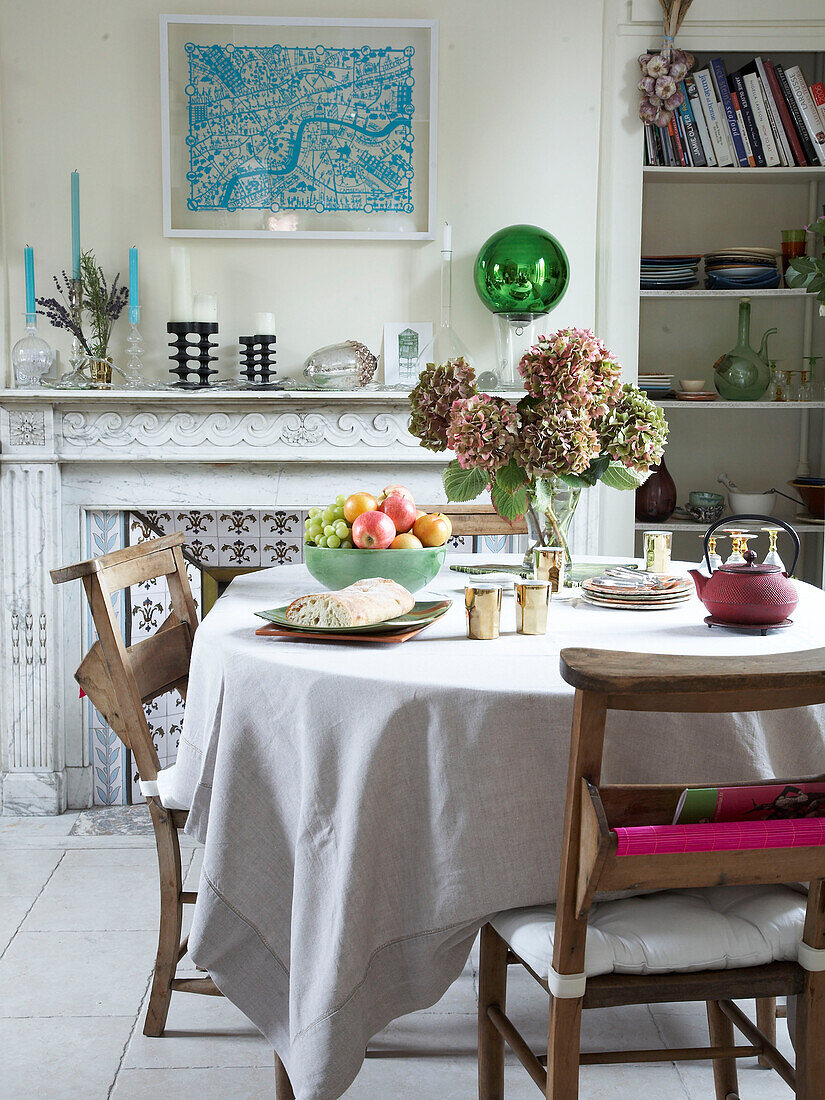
[758, 504]
[338, 568]
[706, 500]
[692, 385]
[812, 495]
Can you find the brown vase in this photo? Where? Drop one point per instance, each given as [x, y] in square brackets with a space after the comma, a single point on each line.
[656, 499]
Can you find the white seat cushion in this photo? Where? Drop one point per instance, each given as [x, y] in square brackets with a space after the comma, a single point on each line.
[716, 928]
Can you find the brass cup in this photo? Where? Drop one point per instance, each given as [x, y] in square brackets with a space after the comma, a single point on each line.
[532, 604]
[549, 564]
[483, 604]
[100, 372]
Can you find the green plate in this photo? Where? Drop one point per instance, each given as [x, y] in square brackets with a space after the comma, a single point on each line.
[424, 611]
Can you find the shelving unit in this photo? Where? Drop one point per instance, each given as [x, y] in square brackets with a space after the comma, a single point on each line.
[695, 210]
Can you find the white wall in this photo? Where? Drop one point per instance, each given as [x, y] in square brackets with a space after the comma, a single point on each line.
[518, 139]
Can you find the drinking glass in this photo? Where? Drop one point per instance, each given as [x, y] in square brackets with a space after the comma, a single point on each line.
[793, 245]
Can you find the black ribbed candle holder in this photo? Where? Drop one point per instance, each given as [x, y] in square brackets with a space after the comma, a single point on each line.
[258, 359]
[192, 358]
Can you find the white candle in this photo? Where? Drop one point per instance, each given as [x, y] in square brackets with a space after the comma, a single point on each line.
[264, 324]
[206, 308]
[180, 305]
[447, 240]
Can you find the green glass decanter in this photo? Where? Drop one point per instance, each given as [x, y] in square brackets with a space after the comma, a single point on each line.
[743, 374]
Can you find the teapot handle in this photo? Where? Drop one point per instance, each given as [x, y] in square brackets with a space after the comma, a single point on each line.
[728, 520]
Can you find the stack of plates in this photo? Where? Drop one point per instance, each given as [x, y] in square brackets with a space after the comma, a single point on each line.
[742, 269]
[656, 385]
[669, 272]
[659, 594]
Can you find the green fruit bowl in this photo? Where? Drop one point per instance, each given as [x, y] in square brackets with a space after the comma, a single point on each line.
[338, 568]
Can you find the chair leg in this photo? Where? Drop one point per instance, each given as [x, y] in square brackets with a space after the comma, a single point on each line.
[492, 990]
[563, 1048]
[766, 1022]
[171, 920]
[810, 1045]
[283, 1086]
[721, 1035]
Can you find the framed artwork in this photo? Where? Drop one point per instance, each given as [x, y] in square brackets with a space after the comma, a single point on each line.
[403, 343]
[292, 127]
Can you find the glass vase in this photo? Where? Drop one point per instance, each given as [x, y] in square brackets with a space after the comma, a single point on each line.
[741, 374]
[551, 507]
[31, 357]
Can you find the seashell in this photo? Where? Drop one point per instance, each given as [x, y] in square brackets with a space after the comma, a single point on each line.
[343, 366]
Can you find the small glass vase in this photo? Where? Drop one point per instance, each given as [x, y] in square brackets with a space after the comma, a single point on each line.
[31, 357]
[551, 507]
[743, 374]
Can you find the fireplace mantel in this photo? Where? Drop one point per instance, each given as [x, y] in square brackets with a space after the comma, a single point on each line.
[65, 452]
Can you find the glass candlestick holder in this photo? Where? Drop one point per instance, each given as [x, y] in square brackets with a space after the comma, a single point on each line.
[31, 356]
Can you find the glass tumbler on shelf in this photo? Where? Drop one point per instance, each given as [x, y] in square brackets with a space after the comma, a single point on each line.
[793, 245]
[807, 387]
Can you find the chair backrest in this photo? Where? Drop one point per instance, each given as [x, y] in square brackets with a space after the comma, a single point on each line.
[606, 845]
[477, 519]
[120, 679]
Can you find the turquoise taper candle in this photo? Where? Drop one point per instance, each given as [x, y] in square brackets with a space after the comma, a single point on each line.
[75, 225]
[31, 307]
[134, 292]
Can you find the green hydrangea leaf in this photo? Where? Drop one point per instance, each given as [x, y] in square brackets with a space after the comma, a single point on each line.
[617, 476]
[509, 492]
[461, 485]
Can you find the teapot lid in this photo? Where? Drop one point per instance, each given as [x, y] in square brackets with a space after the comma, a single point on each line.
[750, 567]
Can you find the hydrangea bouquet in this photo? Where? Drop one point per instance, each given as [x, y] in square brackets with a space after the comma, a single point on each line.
[576, 425]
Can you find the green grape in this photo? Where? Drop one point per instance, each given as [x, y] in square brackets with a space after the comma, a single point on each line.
[342, 529]
[347, 544]
[315, 512]
[340, 500]
[333, 542]
[308, 522]
[339, 512]
[329, 529]
[316, 529]
[329, 515]
[321, 540]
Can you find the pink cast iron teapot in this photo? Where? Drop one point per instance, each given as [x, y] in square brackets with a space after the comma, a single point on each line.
[750, 594]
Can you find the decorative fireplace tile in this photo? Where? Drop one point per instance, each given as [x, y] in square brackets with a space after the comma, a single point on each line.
[281, 551]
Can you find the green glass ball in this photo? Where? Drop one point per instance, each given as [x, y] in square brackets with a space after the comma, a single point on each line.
[521, 269]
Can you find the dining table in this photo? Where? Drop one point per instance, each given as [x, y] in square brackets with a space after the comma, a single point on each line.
[364, 807]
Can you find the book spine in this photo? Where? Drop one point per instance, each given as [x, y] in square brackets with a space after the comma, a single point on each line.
[740, 118]
[751, 130]
[763, 123]
[720, 81]
[797, 152]
[710, 109]
[796, 115]
[680, 126]
[694, 140]
[698, 115]
[783, 147]
[810, 115]
[818, 96]
[676, 141]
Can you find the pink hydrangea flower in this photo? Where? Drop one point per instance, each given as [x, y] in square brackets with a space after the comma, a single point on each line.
[483, 432]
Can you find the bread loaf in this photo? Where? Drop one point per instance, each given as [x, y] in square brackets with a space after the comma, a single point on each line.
[373, 600]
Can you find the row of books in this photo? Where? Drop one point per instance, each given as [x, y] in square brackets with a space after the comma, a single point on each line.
[760, 116]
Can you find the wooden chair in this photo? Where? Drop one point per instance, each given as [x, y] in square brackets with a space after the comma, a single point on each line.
[118, 681]
[592, 865]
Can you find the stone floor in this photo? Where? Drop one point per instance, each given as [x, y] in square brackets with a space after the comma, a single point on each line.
[78, 913]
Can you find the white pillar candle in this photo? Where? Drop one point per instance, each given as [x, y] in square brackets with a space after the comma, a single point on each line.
[206, 308]
[264, 324]
[447, 239]
[180, 305]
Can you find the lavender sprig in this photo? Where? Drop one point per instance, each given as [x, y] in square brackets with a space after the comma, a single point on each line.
[102, 303]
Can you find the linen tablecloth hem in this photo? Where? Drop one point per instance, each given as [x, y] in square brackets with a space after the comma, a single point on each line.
[326, 1055]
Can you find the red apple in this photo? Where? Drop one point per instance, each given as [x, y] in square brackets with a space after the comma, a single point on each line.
[373, 531]
[401, 510]
[390, 489]
[406, 542]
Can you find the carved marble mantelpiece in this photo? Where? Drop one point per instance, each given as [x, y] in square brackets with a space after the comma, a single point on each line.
[63, 453]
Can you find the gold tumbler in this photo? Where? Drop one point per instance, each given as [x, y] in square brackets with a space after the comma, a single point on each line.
[548, 565]
[483, 603]
[532, 603]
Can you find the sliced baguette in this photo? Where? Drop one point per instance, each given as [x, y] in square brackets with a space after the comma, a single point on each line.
[361, 604]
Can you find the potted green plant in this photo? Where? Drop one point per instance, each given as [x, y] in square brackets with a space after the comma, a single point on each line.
[808, 272]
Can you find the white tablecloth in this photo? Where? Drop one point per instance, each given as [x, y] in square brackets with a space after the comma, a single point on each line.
[365, 807]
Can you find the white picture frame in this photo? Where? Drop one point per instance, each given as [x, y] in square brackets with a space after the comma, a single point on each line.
[403, 343]
[226, 150]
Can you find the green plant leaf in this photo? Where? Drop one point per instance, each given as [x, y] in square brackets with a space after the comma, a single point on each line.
[575, 481]
[461, 485]
[617, 476]
[509, 492]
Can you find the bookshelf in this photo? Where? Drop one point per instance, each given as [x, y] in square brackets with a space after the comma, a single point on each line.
[760, 444]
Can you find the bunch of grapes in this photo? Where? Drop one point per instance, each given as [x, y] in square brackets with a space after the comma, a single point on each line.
[327, 526]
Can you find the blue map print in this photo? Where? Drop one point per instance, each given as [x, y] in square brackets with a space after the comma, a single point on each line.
[300, 128]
